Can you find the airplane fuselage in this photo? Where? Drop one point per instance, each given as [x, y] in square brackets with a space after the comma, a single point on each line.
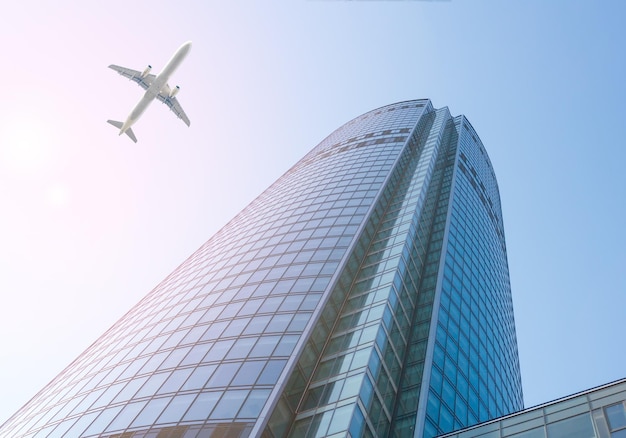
[157, 86]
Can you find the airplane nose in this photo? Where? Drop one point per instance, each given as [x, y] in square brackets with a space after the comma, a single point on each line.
[184, 49]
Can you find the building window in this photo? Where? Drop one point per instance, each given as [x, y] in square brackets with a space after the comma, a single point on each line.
[579, 426]
[616, 416]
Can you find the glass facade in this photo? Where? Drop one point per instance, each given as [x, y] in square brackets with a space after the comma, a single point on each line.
[596, 413]
[364, 293]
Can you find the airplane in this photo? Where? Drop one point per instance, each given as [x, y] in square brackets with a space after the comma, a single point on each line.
[156, 87]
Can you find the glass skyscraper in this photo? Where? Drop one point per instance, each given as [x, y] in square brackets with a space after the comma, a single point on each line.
[364, 293]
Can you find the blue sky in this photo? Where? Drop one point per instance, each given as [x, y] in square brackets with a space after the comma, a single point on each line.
[91, 222]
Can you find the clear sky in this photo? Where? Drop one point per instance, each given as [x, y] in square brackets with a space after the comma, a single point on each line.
[90, 222]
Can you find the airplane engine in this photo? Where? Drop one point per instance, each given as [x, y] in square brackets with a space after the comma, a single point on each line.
[174, 91]
[146, 72]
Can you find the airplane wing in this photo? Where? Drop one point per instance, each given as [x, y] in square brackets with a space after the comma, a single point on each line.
[134, 75]
[173, 104]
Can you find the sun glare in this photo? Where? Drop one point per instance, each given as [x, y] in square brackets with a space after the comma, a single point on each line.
[58, 195]
[25, 148]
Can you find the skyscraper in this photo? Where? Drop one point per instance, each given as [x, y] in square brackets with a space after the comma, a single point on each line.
[364, 293]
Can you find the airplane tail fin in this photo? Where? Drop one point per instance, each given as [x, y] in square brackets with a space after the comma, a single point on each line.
[119, 125]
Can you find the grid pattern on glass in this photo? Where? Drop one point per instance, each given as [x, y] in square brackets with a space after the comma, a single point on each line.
[475, 370]
[432, 233]
[393, 344]
[209, 343]
[292, 396]
[596, 413]
[375, 316]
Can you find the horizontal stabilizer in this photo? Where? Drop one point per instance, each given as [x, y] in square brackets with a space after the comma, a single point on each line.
[116, 123]
[119, 125]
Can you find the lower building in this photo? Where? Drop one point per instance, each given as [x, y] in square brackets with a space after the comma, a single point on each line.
[596, 413]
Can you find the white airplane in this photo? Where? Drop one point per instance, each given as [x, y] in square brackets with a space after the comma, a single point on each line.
[156, 87]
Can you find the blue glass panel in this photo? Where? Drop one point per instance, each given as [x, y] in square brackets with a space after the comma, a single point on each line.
[248, 373]
[271, 372]
[151, 412]
[126, 416]
[223, 375]
[202, 406]
[199, 377]
[82, 424]
[229, 404]
[175, 381]
[103, 420]
[175, 410]
[579, 426]
[265, 346]
[286, 345]
[616, 415]
[357, 424]
[341, 419]
[253, 405]
[153, 384]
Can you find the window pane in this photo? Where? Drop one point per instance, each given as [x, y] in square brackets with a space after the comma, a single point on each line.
[223, 375]
[575, 427]
[616, 416]
[265, 346]
[174, 412]
[248, 373]
[105, 418]
[229, 404]
[358, 421]
[286, 345]
[271, 372]
[130, 389]
[199, 377]
[125, 417]
[151, 412]
[175, 381]
[533, 433]
[219, 350]
[202, 407]
[109, 394]
[81, 424]
[152, 385]
[241, 348]
[341, 419]
[252, 407]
